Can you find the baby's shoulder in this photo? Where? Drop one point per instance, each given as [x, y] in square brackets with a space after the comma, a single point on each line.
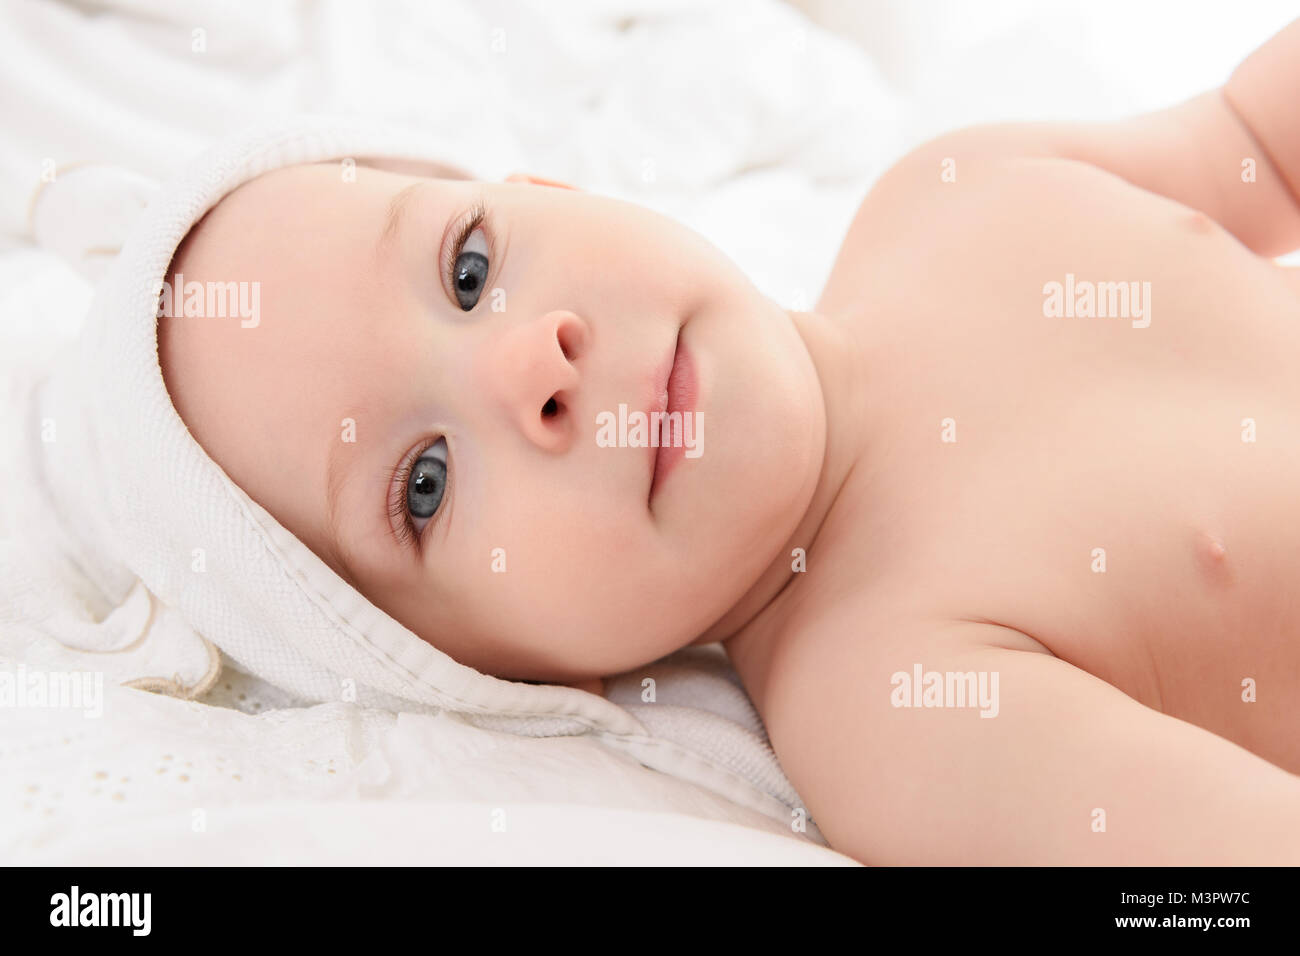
[959, 200]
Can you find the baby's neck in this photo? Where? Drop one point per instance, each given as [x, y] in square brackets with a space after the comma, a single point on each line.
[834, 358]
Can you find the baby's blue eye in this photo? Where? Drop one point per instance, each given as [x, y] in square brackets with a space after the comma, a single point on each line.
[469, 274]
[428, 481]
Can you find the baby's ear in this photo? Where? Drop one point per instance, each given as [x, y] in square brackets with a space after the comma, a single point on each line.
[537, 181]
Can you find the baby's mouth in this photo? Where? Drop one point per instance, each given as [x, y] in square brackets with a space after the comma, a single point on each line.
[675, 393]
[660, 404]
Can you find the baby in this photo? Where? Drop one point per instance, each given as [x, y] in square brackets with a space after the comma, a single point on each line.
[1000, 537]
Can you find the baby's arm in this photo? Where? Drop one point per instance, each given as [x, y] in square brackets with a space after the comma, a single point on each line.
[1065, 754]
[1233, 153]
[1264, 93]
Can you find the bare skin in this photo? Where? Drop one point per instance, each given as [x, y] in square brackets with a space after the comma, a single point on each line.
[1125, 688]
[1122, 688]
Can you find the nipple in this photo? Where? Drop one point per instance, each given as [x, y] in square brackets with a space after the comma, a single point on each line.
[1197, 221]
[1211, 555]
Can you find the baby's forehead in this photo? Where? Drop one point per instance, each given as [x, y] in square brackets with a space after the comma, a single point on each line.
[298, 205]
[296, 245]
[304, 244]
[263, 380]
[273, 201]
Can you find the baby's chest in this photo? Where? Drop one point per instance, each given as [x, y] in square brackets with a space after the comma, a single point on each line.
[1087, 429]
[1143, 527]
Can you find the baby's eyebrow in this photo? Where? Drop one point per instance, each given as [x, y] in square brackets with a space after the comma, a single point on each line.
[397, 207]
[336, 476]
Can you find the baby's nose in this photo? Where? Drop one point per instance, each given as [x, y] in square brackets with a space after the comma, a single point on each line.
[532, 371]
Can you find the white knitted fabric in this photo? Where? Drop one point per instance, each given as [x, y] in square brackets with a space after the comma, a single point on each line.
[131, 549]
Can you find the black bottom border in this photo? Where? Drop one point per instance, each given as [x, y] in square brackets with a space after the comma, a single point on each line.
[337, 904]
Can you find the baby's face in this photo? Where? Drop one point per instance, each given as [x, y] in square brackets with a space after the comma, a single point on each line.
[427, 416]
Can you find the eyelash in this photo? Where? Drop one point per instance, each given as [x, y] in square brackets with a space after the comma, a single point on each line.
[470, 221]
[403, 528]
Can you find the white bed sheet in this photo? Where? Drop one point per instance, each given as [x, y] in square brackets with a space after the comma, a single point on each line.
[245, 779]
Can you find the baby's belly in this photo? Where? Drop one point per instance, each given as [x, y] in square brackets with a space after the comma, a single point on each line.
[1124, 489]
